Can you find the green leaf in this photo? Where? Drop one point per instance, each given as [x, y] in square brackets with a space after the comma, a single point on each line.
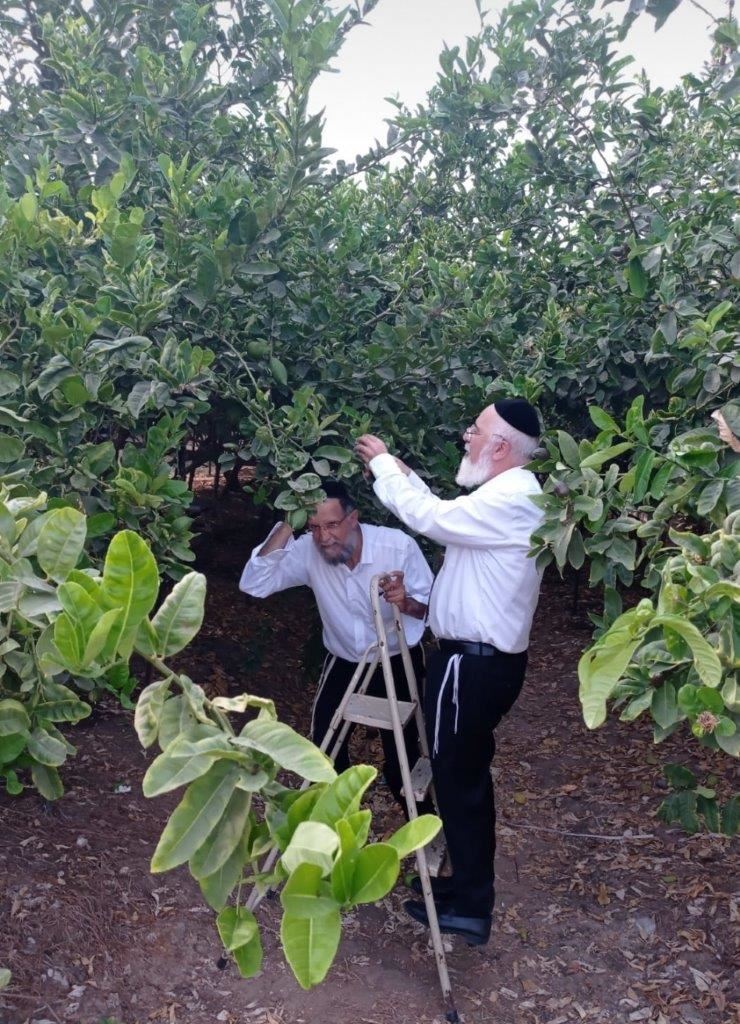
[601, 667]
[169, 770]
[61, 542]
[46, 749]
[709, 497]
[60, 704]
[148, 710]
[706, 661]
[280, 9]
[11, 449]
[414, 834]
[333, 452]
[731, 816]
[124, 243]
[343, 796]
[310, 945]
[217, 888]
[181, 615]
[731, 694]
[343, 871]
[195, 816]
[187, 50]
[681, 807]
[224, 838]
[9, 382]
[130, 582]
[74, 391]
[637, 278]
[376, 871]
[598, 458]
[287, 748]
[312, 843]
[11, 746]
[29, 206]
[259, 269]
[637, 706]
[236, 926]
[47, 781]
[679, 776]
[664, 706]
[97, 639]
[569, 449]
[729, 743]
[13, 718]
[249, 957]
[709, 808]
[602, 419]
[643, 471]
[300, 895]
[634, 420]
[359, 822]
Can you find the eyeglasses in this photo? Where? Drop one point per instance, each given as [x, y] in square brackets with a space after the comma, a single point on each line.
[316, 529]
[475, 431]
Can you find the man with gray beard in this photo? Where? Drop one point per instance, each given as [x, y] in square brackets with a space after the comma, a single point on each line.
[481, 611]
[337, 558]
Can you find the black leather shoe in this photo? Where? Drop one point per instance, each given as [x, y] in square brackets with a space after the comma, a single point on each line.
[475, 930]
[441, 887]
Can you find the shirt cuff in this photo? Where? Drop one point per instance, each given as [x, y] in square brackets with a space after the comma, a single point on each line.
[278, 551]
[384, 465]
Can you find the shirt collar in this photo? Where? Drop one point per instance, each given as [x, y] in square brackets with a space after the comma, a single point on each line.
[366, 555]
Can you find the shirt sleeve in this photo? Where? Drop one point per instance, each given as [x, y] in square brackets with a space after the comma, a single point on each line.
[415, 480]
[279, 570]
[478, 520]
[417, 576]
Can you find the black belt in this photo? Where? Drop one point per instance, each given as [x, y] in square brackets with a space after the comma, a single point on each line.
[467, 647]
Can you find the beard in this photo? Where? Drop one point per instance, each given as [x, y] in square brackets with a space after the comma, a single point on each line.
[339, 555]
[473, 474]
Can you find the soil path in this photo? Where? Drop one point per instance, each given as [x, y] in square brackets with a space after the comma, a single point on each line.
[603, 916]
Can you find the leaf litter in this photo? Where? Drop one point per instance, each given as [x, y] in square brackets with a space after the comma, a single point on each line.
[603, 915]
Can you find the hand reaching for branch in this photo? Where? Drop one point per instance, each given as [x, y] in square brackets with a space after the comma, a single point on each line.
[368, 446]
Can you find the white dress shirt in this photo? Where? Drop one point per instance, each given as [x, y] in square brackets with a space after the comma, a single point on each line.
[488, 587]
[342, 594]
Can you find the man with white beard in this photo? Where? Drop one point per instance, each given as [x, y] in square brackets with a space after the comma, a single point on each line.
[481, 611]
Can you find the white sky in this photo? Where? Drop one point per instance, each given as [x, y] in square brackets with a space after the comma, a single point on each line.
[397, 53]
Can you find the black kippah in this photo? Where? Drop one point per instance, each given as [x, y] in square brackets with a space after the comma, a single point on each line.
[519, 414]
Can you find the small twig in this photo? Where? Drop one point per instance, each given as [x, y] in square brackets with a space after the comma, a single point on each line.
[711, 17]
[583, 835]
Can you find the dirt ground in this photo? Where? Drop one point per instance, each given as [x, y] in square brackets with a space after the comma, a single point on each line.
[604, 915]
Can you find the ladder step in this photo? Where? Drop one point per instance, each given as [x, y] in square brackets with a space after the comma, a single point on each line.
[375, 711]
[421, 779]
[436, 853]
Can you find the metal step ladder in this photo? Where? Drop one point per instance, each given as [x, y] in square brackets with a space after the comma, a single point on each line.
[390, 713]
[356, 707]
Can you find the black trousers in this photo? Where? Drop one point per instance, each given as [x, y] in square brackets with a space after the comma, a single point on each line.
[462, 745]
[332, 686]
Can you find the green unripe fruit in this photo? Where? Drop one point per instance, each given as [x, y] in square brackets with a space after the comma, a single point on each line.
[644, 610]
[258, 349]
